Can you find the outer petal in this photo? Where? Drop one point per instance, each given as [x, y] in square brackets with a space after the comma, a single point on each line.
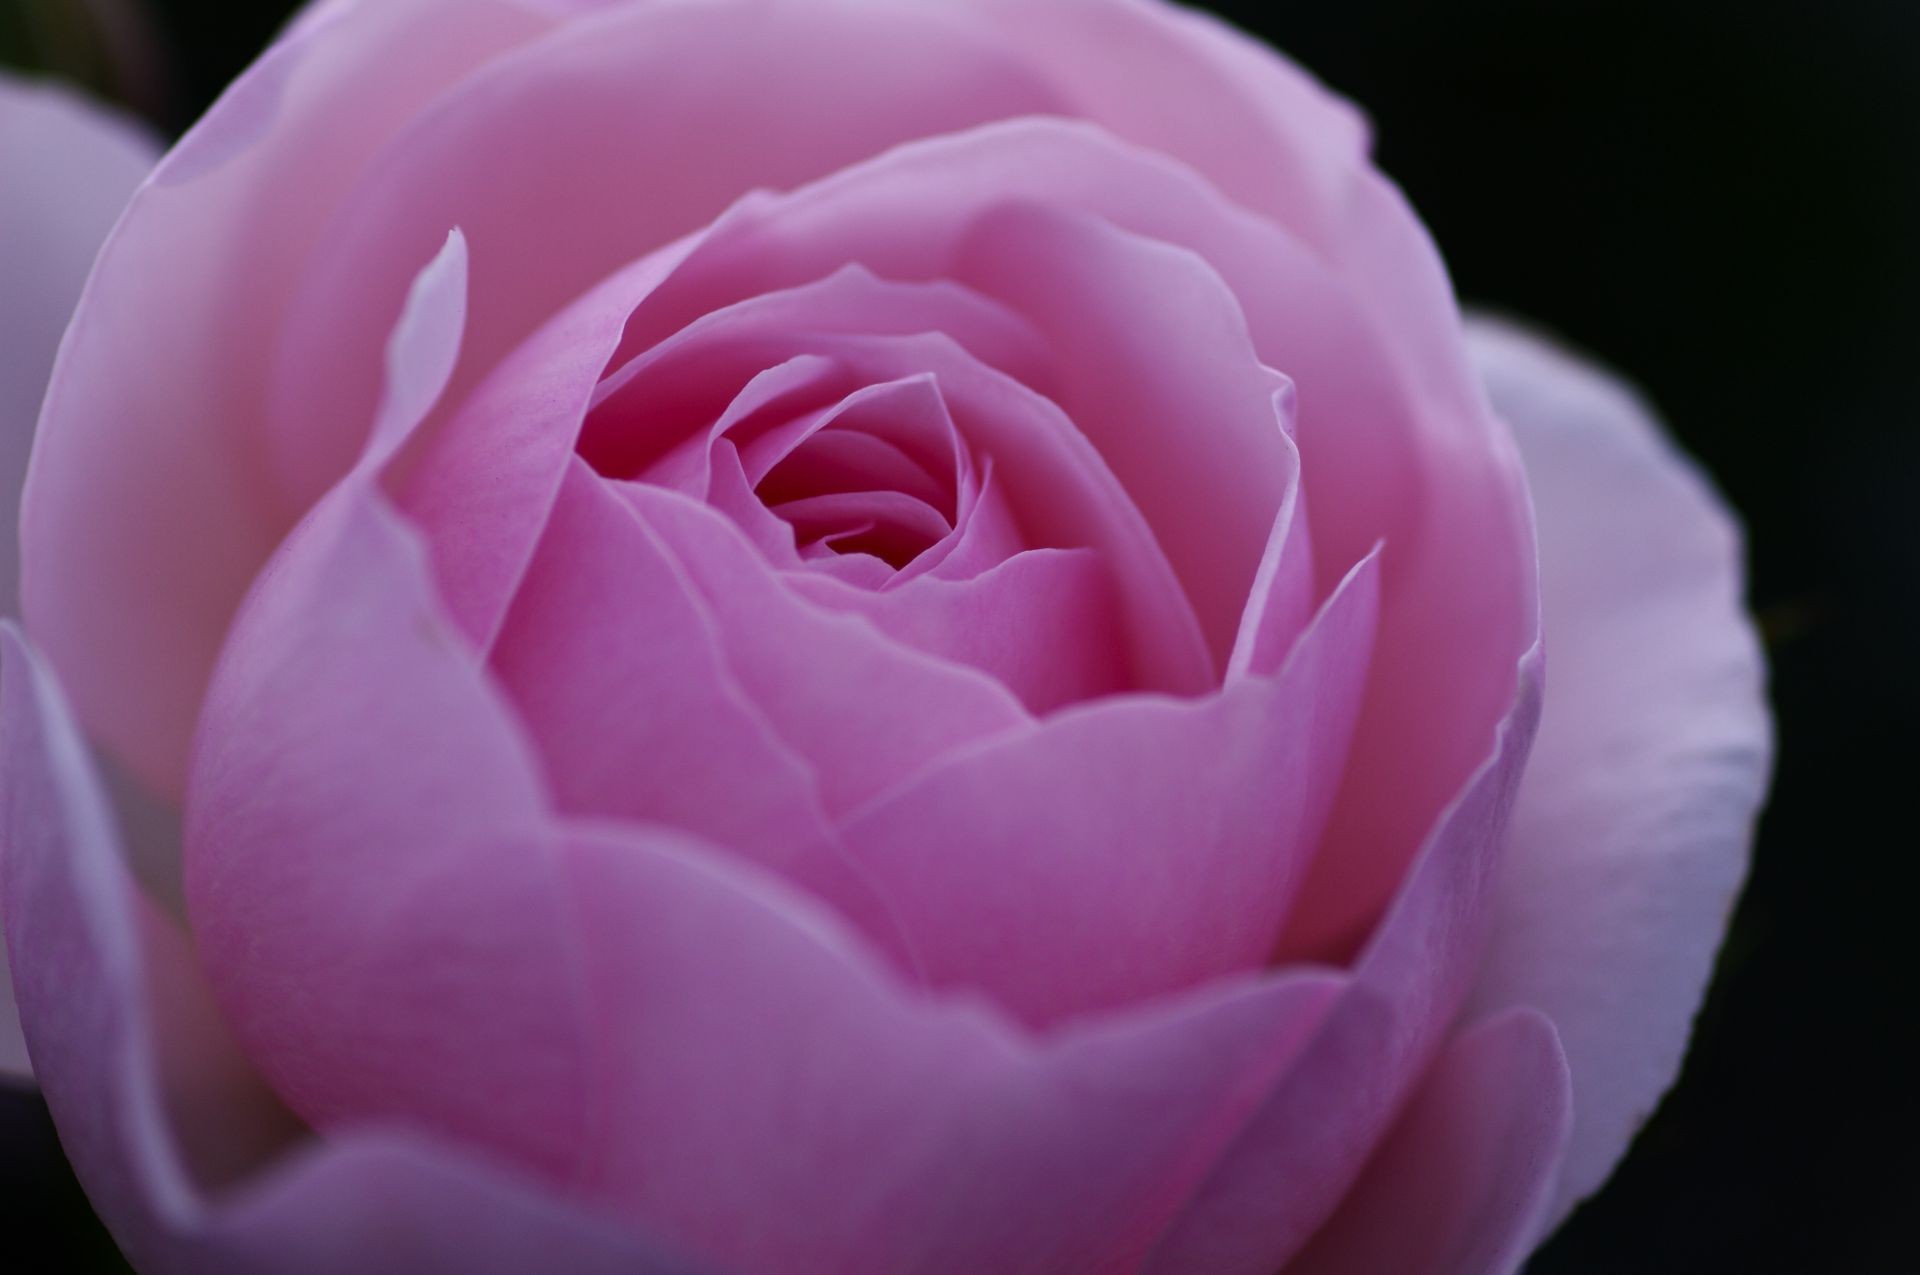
[778, 1105]
[147, 513]
[1632, 828]
[1459, 1185]
[633, 125]
[66, 169]
[156, 1108]
[1295, 1160]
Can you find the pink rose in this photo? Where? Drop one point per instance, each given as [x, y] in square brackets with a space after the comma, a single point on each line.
[845, 636]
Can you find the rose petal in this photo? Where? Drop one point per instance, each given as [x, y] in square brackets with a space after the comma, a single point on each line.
[1632, 828]
[1043, 623]
[561, 163]
[1152, 360]
[155, 1106]
[1299, 1155]
[66, 169]
[1396, 437]
[1132, 847]
[1261, 128]
[614, 663]
[864, 711]
[1459, 1185]
[366, 862]
[775, 1105]
[145, 499]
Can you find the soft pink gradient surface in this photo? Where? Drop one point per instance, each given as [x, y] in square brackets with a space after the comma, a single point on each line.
[845, 636]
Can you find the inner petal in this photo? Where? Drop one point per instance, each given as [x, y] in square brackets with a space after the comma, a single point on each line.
[890, 525]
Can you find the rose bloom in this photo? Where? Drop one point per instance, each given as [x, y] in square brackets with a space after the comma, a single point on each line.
[833, 636]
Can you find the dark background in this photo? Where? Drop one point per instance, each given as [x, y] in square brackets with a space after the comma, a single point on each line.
[1721, 198]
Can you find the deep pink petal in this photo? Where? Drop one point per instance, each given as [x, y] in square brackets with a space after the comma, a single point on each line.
[775, 1104]
[1632, 828]
[1130, 848]
[1294, 1161]
[145, 499]
[1460, 1184]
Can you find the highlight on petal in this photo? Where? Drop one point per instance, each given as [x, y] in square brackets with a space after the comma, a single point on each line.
[1633, 825]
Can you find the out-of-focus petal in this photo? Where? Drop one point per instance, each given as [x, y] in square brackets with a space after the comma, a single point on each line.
[1633, 825]
[66, 169]
[1460, 1183]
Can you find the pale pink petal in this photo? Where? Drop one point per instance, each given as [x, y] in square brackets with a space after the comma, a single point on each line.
[1129, 848]
[1632, 829]
[775, 1104]
[1291, 1165]
[66, 169]
[574, 155]
[1184, 82]
[1459, 1185]
[145, 499]
[128, 1051]
[366, 863]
